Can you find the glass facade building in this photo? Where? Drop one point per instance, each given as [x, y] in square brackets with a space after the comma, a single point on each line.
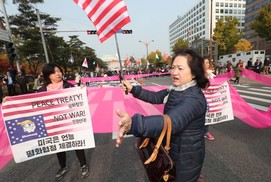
[252, 9]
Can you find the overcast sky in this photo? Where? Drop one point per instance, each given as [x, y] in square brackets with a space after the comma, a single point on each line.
[150, 20]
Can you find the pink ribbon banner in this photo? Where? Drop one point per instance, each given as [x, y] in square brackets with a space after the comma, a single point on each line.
[117, 78]
[104, 101]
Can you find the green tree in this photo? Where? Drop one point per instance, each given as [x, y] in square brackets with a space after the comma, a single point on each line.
[156, 59]
[79, 51]
[92, 59]
[227, 35]
[59, 51]
[75, 47]
[143, 62]
[26, 35]
[179, 45]
[152, 57]
[262, 23]
[27, 1]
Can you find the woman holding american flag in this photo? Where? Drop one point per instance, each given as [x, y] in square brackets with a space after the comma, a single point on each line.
[186, 106]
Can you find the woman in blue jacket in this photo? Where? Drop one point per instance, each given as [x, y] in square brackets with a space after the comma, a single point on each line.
[186, 106]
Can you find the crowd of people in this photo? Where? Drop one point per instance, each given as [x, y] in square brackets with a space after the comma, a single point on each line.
[16, 83]
[13, 83]
[258, 66]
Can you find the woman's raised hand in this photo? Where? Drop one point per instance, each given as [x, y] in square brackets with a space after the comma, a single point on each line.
[124, 126]
[126, 86]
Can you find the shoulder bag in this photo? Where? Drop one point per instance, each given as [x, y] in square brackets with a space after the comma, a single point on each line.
[155, 157]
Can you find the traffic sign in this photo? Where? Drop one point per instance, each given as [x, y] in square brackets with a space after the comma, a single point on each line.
[89, 32]
[127, 31]
[4, 35]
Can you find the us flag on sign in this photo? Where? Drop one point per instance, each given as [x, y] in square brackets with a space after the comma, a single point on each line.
[214, 98]
[108, 16]
[219, 106]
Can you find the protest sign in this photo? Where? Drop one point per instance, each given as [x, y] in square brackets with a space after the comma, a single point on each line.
[48, 122]
[219, 103]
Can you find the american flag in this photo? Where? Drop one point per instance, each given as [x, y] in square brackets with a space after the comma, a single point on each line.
[39, 115]
[108, 16]
[214, 98]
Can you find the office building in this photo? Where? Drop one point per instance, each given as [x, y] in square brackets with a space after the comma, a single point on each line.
[199, 22]
[253, 8]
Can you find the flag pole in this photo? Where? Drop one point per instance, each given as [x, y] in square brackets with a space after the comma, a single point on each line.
[118, 51]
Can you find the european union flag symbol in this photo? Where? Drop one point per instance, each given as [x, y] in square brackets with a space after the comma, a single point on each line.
[27, 128]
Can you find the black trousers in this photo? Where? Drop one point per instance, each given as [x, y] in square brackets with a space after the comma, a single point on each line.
[237, 80]
[23, 88]
[1, 95]
[206, 129]
[61, 156]
[11, 90]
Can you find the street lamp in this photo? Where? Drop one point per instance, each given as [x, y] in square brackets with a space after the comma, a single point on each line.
[211, 32]
[147, 46]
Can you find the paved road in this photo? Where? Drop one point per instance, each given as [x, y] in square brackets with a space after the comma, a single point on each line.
[239, 153]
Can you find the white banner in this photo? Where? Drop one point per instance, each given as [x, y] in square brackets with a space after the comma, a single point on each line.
[219, 103]
[48, 122]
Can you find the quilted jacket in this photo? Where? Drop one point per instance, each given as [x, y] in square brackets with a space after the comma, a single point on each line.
[186, 110]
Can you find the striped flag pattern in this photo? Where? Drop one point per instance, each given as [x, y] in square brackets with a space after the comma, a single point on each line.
[213, 96]
[219, 106]
[108, 16]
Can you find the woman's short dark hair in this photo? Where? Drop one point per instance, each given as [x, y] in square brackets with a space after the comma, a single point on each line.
[195, 62]
[205, 57]
[49, 69]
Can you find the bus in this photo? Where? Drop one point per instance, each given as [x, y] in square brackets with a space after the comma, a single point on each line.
[244, 56]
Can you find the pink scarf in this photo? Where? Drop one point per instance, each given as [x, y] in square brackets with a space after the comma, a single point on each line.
[55, 86]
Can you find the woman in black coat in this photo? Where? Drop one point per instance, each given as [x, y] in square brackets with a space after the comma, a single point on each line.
[53, 80]
[186, 106]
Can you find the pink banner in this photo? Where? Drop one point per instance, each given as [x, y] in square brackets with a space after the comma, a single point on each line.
[5, 150]
[104, 102]
[251, 116]
[246, 113]
[116, 78]
[257, 77]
